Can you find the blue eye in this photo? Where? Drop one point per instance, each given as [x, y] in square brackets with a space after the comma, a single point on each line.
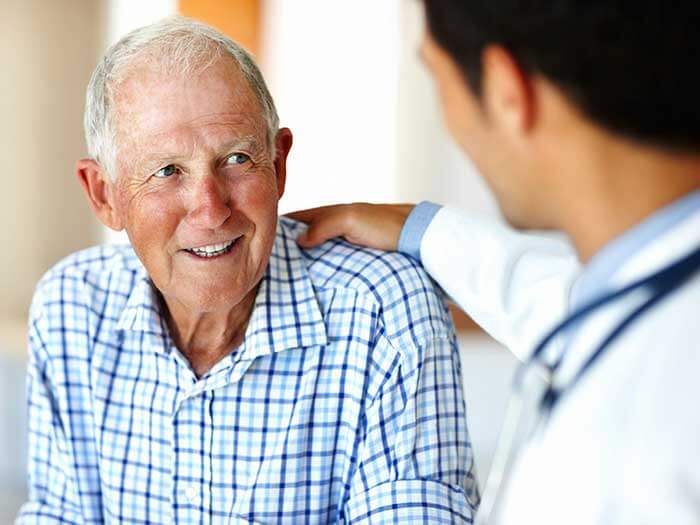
[166, 171]
[237, 158]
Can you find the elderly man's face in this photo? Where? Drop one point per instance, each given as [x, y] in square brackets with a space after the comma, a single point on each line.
[197, 188]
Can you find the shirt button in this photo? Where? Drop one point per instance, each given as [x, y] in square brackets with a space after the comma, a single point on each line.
[191, 494]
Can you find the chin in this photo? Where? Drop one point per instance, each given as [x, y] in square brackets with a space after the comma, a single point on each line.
[509, 214]
[210, 300]
[520, 219]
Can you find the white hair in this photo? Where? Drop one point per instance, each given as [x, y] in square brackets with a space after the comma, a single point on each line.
[183, 46]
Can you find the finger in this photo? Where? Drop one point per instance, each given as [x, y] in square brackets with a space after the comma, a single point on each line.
[320, 231]
[311, 214]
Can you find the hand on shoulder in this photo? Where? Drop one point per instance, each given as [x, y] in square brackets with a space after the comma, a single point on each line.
[372, 225]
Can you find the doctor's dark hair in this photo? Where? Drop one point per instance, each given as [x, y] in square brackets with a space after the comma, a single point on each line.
[629, 65]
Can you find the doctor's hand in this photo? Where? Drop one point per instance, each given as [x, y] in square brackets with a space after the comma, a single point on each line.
[371, 225]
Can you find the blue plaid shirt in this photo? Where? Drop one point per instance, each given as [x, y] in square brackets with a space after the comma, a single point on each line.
[343, 403]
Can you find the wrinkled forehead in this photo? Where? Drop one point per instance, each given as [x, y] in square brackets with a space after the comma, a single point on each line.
[152, 102]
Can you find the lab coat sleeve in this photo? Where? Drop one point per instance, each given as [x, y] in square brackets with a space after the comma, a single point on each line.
[53, 497]
[514, 285]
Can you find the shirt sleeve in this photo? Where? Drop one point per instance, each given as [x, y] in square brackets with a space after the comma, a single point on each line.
[514, 285]
[415, 462]
[414, 228]
[53, 497]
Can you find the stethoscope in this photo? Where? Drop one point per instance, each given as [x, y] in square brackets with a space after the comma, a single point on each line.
[659, 285]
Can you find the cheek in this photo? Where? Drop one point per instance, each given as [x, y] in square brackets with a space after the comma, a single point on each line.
[150, 219]
[257, 197]
[258, 202]
[457, 117]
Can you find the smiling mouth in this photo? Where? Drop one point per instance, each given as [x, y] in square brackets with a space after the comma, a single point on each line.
[213, 250]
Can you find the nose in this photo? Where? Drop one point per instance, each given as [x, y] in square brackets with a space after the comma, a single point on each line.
[209, 202]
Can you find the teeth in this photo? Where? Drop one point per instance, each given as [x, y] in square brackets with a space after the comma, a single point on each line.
[212, 250]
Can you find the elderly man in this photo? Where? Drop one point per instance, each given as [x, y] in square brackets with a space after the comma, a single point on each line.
[212, 371]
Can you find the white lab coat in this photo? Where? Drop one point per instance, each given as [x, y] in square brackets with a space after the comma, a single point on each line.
[623, 446]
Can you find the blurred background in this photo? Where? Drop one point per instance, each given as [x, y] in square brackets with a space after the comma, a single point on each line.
[346, 79]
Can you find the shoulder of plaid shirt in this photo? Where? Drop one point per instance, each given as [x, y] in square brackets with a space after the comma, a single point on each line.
[343, 404]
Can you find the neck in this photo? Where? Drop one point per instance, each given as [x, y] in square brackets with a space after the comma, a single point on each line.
[204, 338]
[617, 188]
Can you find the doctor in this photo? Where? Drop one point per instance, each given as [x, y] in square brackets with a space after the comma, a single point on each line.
[583, 116]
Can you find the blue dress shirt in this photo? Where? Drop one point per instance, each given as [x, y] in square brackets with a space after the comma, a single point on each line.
[598, 273]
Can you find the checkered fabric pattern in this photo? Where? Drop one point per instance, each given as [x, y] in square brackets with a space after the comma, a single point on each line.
[343, 404]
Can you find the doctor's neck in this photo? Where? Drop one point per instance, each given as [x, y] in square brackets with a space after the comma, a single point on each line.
[615, 184]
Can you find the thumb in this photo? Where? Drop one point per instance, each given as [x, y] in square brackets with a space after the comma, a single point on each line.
[303, 240]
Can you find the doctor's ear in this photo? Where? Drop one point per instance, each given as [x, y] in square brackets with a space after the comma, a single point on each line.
[507, 92]
[100, 192]
[283, 143]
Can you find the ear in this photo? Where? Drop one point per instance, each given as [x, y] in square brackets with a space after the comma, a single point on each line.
[100, 192]
[283, 143]
[507, 92]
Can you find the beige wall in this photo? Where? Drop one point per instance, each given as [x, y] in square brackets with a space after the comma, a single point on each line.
[47, 51]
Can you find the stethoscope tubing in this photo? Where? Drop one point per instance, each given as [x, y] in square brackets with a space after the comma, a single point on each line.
[661, 284]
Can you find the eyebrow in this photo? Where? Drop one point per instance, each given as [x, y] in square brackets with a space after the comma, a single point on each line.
[252, 143]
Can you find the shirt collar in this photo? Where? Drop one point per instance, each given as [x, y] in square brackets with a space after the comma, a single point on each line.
[600, 271]
[142, 310]
[285, 315]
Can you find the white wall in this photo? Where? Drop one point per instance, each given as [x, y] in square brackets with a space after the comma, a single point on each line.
[430, 166]
[348, 82]
[124, 15]
[332, 68]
